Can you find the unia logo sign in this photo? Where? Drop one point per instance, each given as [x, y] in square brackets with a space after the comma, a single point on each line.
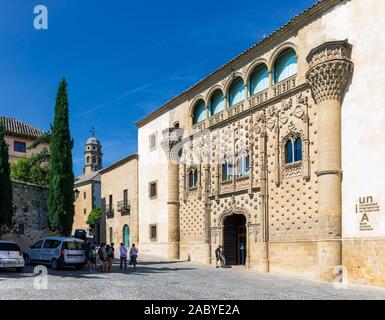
[365, 208]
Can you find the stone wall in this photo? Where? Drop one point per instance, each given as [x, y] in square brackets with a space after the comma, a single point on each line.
[364, 260]
[30, 218]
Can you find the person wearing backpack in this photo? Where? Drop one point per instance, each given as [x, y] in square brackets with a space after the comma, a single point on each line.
[110, 256]
[103, 257]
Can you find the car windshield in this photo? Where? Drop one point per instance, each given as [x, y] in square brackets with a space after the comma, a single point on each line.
[73, 245]
[9, 247]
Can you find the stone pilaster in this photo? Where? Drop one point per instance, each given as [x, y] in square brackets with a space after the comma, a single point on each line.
[328, 77]
[171, 138]
[263, 261]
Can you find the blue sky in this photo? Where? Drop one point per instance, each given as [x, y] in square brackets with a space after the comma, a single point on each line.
[122, 59]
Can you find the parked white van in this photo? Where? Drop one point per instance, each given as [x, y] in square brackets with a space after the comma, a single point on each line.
[57, 252]
[11, 256]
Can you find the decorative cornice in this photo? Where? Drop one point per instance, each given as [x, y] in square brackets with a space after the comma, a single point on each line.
[330, 70]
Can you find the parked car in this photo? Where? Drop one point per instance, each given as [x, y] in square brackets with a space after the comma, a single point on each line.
[57, 252]
[11, 256]
[81, 234]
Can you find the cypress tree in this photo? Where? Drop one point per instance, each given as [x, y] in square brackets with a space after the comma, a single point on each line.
[61, 182]
[6, 210]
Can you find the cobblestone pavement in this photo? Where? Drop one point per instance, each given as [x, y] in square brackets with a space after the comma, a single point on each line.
[156, 279]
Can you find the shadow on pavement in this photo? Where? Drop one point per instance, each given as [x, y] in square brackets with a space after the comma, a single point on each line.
[143, 268]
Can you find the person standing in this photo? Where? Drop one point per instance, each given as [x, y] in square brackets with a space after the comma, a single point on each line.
[87, 253]
[103, 257]
[133, 256]
[93, 258]
[123, 256]
[109, 257]
[222, 255]
[218, 256]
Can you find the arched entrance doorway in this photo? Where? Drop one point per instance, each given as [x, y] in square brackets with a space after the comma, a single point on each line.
[234, 239]
[126, 235]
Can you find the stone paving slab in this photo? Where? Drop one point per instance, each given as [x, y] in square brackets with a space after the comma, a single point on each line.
[160, 279]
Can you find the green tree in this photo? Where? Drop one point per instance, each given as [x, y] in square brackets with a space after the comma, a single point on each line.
[94, 216]
[31, 170]
[61, 181]
[6, 210]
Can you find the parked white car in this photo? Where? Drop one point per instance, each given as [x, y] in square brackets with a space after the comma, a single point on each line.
[11, 256]
[57, 252]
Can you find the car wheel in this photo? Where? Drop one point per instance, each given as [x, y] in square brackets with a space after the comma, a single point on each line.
[55, 264]
[27, 260]
[20, 270]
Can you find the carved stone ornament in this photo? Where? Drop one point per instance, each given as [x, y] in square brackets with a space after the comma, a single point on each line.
[330, 70]
[171, 138]
[254, 230]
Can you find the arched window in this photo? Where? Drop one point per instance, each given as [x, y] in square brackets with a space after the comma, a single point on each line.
[217, 103]
[243, 166]
[227, 171]
[193, 178]
[259, 80]
[199, 113]
[293, 150]
[285, 66]
[236, 92]
[88, 159]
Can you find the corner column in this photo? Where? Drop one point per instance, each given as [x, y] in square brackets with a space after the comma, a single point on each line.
[171, 138]
[328, 77]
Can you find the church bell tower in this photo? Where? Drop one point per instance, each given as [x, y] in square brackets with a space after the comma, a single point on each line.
[92, 156]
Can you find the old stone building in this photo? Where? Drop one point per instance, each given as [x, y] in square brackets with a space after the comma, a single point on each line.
[277, 154]
[119, 193]
[87, 188]
[30, 214]
[19, 136]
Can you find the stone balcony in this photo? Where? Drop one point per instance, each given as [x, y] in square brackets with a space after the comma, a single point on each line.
[251, 102]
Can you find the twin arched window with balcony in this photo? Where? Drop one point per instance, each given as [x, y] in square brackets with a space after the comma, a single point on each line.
[293, 150]
[199, 112]
[285, 65]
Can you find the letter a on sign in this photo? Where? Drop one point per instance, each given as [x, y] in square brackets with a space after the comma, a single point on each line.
[41, 20]
[365, 218]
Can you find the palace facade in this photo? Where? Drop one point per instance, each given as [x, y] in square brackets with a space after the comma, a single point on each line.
[278, 154]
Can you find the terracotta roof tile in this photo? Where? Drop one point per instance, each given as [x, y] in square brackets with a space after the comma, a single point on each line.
[19, 128]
